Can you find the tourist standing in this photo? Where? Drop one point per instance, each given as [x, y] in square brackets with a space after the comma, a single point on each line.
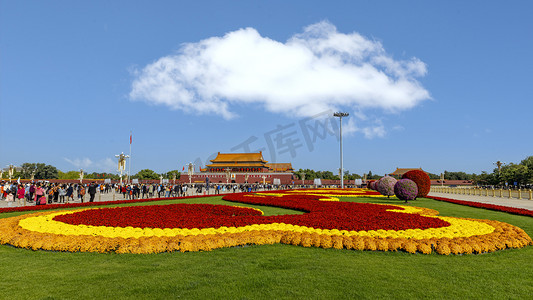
[144, 190]
[10, 198]
[151, 191]
[21, 195]
[62, 193]
[70, 193]
[39, 195]
[81, 192]
[92, 191]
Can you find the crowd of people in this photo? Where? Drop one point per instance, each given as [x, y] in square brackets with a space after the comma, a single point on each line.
[43, 192]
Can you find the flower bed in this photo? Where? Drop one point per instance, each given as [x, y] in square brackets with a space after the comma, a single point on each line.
[327, 194]
[85, 204]
[511, 210]
[326, 224]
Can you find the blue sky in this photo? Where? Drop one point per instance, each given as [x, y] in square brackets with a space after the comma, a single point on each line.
[442, 85]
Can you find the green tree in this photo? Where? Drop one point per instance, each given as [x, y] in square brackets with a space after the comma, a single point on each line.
[433, 176]
[457, 176]
[44, 171]
[348, 176]
[69, 175]
[100, 175]
[312, 174]
[528, 163]
[512, 173]
[170, 174]
[487, 179]
[27, 169]
[371, 176]
[146, 174]
[309, 174]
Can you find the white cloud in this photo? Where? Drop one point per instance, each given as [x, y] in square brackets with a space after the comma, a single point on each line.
[313, 71]
[398, 128]
[80, 163]
[107, 165]
[376, 129]
[102, 165]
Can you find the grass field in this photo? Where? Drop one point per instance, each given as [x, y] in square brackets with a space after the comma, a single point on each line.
[274, 271]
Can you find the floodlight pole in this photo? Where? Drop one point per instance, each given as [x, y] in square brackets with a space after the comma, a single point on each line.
[340, 115]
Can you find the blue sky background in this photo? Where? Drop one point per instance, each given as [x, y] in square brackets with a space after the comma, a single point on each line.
[67, 70]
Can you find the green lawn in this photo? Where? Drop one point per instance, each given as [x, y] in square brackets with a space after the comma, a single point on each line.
[274, 271]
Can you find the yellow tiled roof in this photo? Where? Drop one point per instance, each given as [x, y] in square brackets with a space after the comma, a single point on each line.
[235, 164]
[280, 166]
[239, 157]
[401, 171]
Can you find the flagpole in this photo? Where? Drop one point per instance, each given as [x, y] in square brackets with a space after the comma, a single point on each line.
[129, 169]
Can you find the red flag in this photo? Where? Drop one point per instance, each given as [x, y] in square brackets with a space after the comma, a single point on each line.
[130, 138]
[183, 169]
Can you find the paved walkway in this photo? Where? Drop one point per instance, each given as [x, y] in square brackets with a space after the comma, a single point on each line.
[522, 203]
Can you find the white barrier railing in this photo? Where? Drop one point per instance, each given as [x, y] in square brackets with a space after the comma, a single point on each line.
[488, 192]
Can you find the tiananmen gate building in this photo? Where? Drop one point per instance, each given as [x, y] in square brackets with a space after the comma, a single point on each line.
[242, 168]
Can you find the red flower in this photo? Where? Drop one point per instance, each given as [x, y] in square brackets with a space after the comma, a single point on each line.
[318, 214]
[511, 210]
[421, 179]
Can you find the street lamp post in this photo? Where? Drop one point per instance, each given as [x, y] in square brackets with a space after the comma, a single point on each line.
[228, 175]
[11, 170]
[121, 164]
[340, 115]
[190, 171]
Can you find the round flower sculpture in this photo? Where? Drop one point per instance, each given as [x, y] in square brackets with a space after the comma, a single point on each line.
[376, 184]
[405, 189]
[372, 185]
[421, 179]
[386, 186]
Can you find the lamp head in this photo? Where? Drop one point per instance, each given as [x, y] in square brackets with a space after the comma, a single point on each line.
[341, 114]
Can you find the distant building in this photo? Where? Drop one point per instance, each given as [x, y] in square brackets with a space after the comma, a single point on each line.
[280, 167]
[242, 168]
[237, 162]
[400, 171]
[451, 182]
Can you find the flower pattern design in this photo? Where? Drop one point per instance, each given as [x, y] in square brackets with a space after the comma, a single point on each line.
[202, 227]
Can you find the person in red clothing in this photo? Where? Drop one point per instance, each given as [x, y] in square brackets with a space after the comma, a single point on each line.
[21, 195]
[39, 192]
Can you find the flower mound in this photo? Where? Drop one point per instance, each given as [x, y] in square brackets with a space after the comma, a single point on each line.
[421, 179]
[405, 189]
[372, 185]
[386, 186]
[202, 227]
